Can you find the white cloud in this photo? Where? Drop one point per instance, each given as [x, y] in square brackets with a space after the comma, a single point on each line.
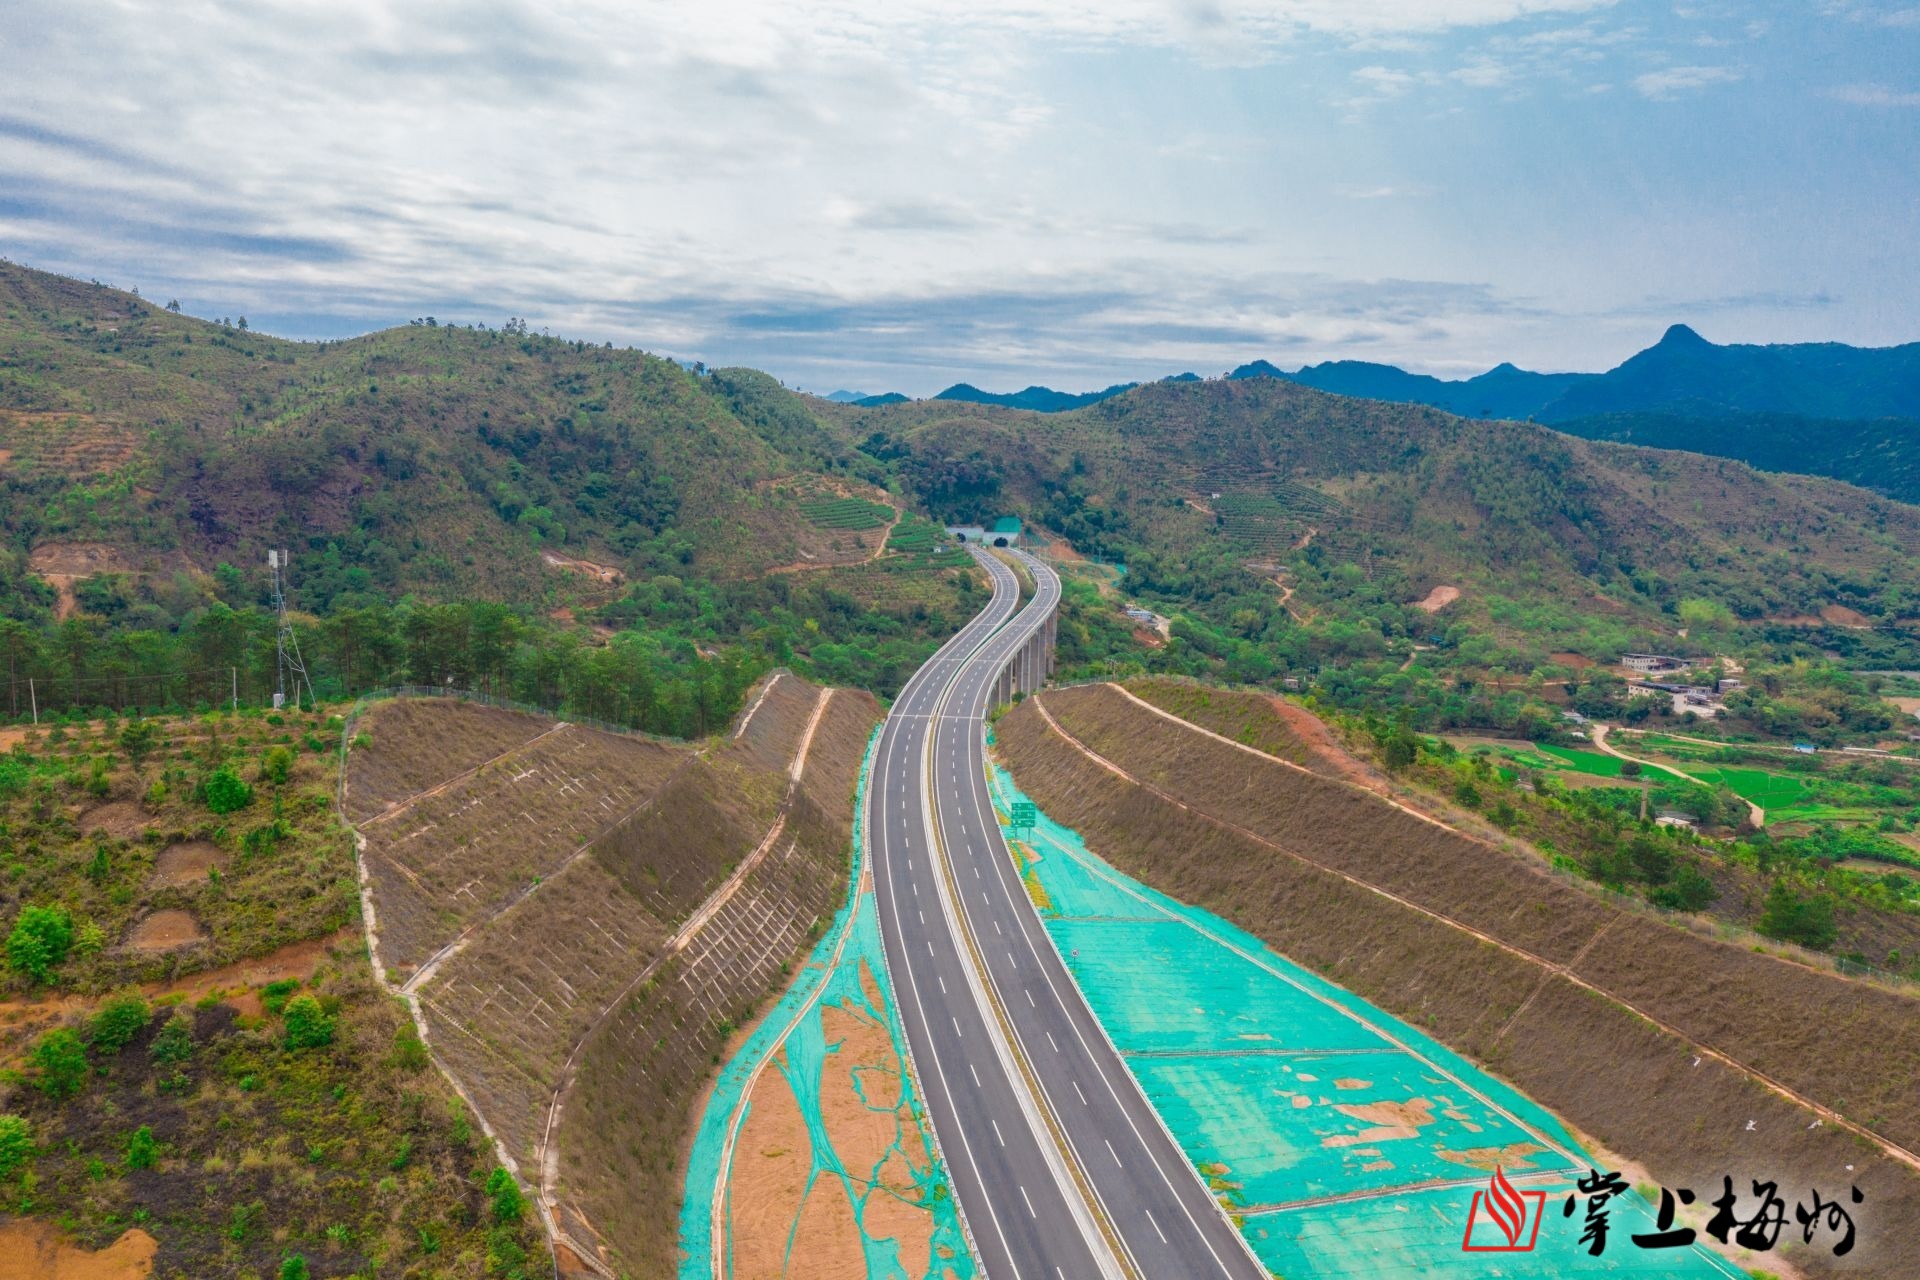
[1874, 95]
[1671, 82]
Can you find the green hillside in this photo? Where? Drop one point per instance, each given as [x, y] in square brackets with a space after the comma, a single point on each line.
[641, 524]
[1881, 454]
[1290, 530]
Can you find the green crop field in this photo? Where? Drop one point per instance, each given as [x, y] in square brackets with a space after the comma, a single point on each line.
[1593, 762]
[851, 514]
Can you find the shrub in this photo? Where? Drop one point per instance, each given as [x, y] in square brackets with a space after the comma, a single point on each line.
[1791, 918]
[138, 738]
[61, 1061]
[225, 792]
[504, 1192]
[142, 1151]
[16, 1145]
[293, 1267]
[174, 1045]
[118, 1022]
[276, 766]
[409, 1050]
[308, 1025]
[1691, 890]
[274, 996]
[40, 940]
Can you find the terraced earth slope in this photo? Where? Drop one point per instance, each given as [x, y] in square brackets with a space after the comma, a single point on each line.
[1697, 1059]
[580, 919]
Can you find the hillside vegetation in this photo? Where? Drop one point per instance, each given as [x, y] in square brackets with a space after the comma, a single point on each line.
[579, 526]
[195, 1048]
[1227, 496]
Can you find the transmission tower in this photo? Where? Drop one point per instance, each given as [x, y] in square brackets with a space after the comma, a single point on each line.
[290, 664]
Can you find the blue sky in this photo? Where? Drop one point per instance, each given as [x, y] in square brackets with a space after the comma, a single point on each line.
[904, 195]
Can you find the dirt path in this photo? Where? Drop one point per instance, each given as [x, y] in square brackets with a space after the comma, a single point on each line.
[1551, 969]
[234, 981]
[1286, 598]
[1754, 811]
[1863, 753]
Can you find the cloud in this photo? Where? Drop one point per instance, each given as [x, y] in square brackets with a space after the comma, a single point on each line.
[1874, 95]
[1872, 14]
[1672, 82]
[1042, 187]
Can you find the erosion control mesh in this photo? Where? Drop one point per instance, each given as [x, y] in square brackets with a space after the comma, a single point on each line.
[825, 1073]
[1344, 1142]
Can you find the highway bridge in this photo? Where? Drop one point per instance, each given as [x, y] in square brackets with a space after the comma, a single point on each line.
[1060, 1167]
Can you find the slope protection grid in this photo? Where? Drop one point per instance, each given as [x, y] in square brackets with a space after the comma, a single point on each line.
[1343, 1142]
[811, 1157]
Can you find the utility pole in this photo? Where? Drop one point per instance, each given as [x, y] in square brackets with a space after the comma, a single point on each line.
[288, 659]
[33, 698]
[235, 673]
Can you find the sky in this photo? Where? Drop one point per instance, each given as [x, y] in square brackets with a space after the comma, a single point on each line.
[901, 195]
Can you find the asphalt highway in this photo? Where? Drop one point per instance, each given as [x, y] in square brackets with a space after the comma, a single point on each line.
[1005, 1090]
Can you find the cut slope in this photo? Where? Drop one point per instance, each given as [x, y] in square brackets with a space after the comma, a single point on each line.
[1669, 1047]
[578, 917]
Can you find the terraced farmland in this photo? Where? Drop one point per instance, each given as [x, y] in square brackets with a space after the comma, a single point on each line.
[853, 515]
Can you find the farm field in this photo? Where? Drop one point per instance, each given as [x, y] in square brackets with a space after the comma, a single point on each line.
[1343, 1142]
[1621, 1024]
[1786, 797]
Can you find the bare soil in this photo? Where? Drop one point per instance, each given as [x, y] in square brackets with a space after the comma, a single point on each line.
[166, 931]
[122, 819]
[771, 1161]
[603, 574]
[1437, 599]
[187, 863]
[35, 1250]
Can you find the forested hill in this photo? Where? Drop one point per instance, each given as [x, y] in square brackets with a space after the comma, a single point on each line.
[636, 519]
[1275, 503]
[436, 457]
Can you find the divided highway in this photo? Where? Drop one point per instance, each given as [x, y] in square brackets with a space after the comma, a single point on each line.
[1060, 1166]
